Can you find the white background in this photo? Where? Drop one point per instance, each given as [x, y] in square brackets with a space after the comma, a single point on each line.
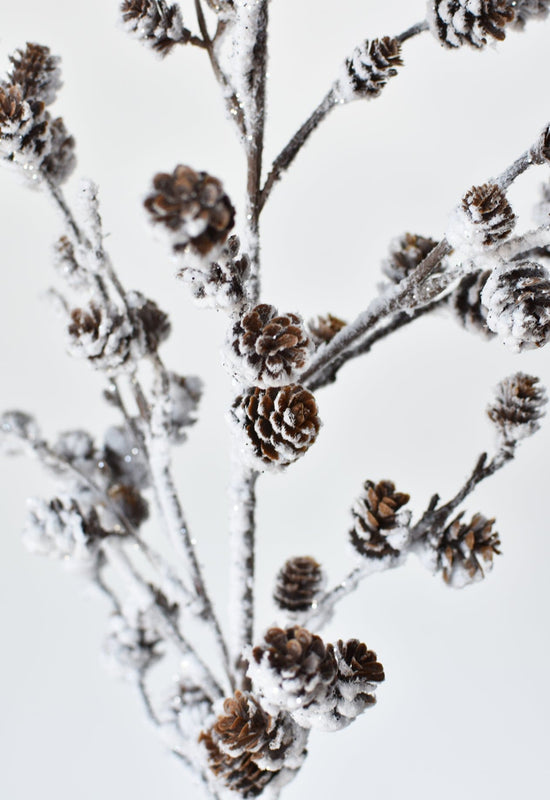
[465, 707]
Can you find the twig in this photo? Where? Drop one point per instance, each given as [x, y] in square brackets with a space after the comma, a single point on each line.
[414, 30]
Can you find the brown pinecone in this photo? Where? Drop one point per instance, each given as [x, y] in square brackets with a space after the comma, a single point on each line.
[245, 727]
[129, 502]
[517, 298]
[298, 584]
[464, 552]
[519, 406]
[240, 773]
[324, 329]
[405, 255]
[358, 673]
[155, 23]
[23, 125]
[368, 69]
[465, 303]
[103, 336]
[154, 322]
[458, 22]
[380, 528]
[268, 349]
[36, 72]
[194, 208]
[61, 159]
[530, 9]
[278, 424]
[488, 209]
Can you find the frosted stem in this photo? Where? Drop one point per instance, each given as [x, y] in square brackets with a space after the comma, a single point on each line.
[242, 497]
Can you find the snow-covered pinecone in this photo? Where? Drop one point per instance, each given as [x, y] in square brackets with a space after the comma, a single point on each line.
[25, 136]
[406, 253]
[155, 23]
[298, 585]
[61, 160]
[266, 348]
[277, 425]
[466, 306]
[130, 649]
[193, 207]
[241, 774]
[368, 69]
[489, 214]
[36, 72]
[122, 457]
[380, 528]
[244, 727]
[458, 22]
[519, 406]
[59, 529]
[517, 298]
[104, 336]
[530, 9]
[463, 553]
[295, 671]
[154, 322]
[323, 329]
[222, 283]
[129, 503]
[18, 431]
[359, 672]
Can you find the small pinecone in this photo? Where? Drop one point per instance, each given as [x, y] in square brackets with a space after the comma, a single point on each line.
[222, 284]
[406, 253]
[519, 406]
[61, 159]
[488, 209]
[295, 671]
[102, 335]
[36, 72]
[241, 774]
[368, 69]
[323, 329]
[278, 424]
[458, 22]
[155, 24]
[380, 528]
[358, 673]
[517, 298]
[154, 322]
[244, 728]
[530, 9]
[193, 207]
[24, 130]
[268, 349]
[464, 552]
[465, 303]
[129, 503]
[298, 584]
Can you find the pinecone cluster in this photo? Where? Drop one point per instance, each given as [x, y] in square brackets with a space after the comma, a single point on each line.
[265, 348]
[406, 253]
[519, 406]
[530, 9]
[194, 209]
[517, 299]
[365, 73]
[278, 425]
[155, 23]
[298, 584]
[466, 306]
[463, 552]
[320, 685]
[222, 283]
[458, 22]
[29, 137]
[380, 527]
[322, 330]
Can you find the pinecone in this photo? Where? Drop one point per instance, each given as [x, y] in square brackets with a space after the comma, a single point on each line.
[463, 553]
[24, 131]
[358, 673]
[155, 23]
[193, 207]
[241, 774]
[488, 210]
[465, 303]
[368, 69]
[268, 349]
[530, 9]
[154, 322]
[298, 585]
[406, 253]
[61, 159]
[380, 528]
[517, 298]
[458, 22]
[519, 406]
[295, 671]
[244, 728]
[36, 72]
[323, 329]
[223, 283]
[129, 503]
[102, 335]
[278, 424]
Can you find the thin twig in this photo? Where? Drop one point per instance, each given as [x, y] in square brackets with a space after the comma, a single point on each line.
[414, 30]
